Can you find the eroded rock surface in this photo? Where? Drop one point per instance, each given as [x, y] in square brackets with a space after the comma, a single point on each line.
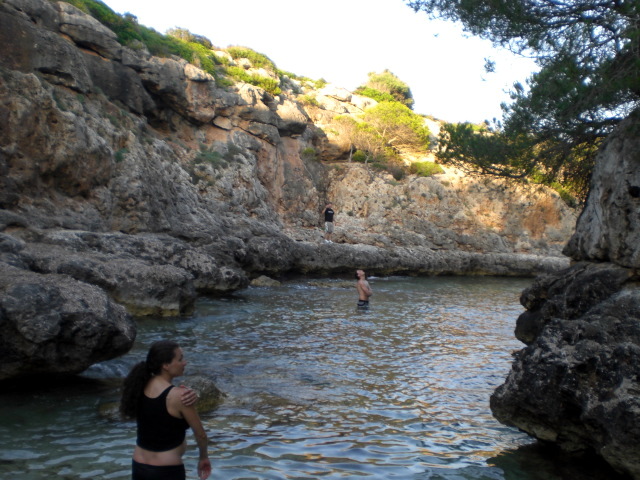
[143, 178]
[55, 324]
[577, 383]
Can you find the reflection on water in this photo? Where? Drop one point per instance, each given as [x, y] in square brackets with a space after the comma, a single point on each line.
[315, 389]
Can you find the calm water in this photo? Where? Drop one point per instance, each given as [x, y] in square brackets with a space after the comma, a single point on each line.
[315, 389]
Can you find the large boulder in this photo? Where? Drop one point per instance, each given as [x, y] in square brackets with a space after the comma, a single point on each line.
[577, 382]
[55, 324]
[185, 88]
[87, 32]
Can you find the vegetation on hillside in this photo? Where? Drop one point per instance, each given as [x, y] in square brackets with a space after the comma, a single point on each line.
[589, 54]
[180, 42]
[385, 130]
[478, 149]
[386, 87]
[382, 132]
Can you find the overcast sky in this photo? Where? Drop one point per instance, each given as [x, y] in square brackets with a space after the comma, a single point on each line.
[343, 40]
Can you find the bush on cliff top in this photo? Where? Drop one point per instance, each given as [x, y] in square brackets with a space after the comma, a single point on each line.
[385, 87]
[258, 60]
[425, 169]
[269, 84]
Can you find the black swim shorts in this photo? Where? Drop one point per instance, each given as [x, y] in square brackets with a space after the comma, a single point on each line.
[142, 471]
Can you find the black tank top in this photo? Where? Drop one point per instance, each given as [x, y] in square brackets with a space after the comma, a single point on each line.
[158, 430]
[328, 215]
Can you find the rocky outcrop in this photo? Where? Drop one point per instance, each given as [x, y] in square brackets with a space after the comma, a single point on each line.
[55, 324]
[577, 381]
[449, 212]
[609, 226]
[143, 178]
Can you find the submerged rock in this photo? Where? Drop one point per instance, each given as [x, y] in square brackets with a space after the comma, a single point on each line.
[264, 281]
[209, 397]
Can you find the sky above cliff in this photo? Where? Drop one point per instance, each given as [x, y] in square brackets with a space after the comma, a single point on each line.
[343, 40]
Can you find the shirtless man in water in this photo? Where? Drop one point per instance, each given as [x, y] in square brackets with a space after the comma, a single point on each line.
[364, 290]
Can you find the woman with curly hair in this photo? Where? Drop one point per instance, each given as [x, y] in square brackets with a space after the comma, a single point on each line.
[161, 416]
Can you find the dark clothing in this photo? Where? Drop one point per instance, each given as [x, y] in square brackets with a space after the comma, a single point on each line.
[142, 471]
[158, 430]
[328, 215]
[363, 303]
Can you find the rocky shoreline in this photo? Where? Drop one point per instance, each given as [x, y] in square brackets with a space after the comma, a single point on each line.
[88, 287]
[50, 278]
[576, 382]
[131, 184]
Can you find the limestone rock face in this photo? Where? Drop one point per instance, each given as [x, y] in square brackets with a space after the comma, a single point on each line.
[143, 178]
[55, 324]
[185, 89]
[609, 227]
[577, 381]
[448, 212]
[87, 32]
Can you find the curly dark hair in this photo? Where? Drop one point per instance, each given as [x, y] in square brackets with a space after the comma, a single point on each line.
[160, 353]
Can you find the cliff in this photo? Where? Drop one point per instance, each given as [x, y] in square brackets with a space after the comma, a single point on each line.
[576, 382]
[130, 184]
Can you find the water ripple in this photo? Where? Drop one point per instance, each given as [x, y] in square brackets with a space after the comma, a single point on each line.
[315, 388]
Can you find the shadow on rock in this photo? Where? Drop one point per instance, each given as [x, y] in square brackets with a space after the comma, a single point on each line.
[545, 461]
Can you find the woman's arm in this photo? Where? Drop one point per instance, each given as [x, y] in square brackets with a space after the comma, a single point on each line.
[193, 419]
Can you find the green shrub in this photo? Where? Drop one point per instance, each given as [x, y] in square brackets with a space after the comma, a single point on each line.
[269, 84]
[309, 153]
[320, 83]
[186, 36]
[566, 192]
[222, 81]
[308, 100]
[213, 158]
[202, 57]
[397, 171]
[359, 156]
[376, 95]
[425, 169]
[392, 165]
[258, 60]
[393, 120]
[232, 151]
[113, 119]
[285, 73]
[567, 197]
[119, 155]
[387, 83]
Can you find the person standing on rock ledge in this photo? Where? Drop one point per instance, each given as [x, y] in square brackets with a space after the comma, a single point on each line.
[364, 290]
[328, 222]
[161, 416]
